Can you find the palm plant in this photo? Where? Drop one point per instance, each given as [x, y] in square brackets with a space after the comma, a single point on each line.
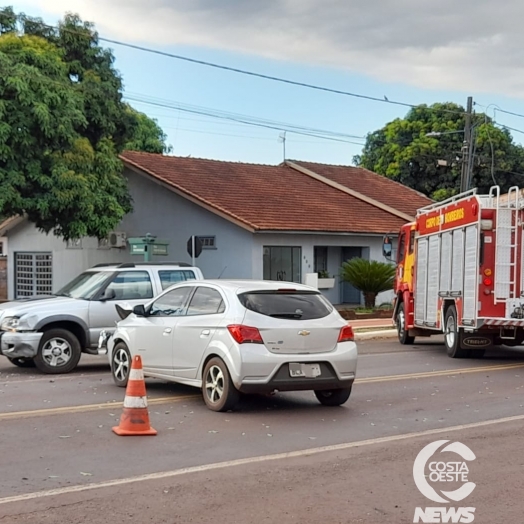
[369, 276]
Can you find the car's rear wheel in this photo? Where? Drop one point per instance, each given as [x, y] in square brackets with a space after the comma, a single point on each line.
[218, 389]
[333, 397]
[121, 364]
[59, 352]
[22, 362]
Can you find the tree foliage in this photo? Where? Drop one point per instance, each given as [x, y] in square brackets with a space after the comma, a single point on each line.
[369, 276]
[62, 125]
[403, 151]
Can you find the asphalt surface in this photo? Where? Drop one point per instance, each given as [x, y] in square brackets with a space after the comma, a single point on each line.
[282, 458]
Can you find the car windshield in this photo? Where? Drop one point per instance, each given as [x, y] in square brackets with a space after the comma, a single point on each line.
[85, 285]
[295, 305]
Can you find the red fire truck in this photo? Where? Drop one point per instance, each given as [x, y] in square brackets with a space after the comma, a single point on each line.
[459, 272]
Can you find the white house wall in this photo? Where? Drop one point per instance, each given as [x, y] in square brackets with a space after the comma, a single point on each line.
[67, 263]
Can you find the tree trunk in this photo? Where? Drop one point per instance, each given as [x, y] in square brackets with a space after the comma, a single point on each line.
[369, 300]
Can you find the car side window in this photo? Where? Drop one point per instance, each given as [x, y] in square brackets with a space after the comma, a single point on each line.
[172, 304]
[131, 285]
[169, 277]
[206, 301]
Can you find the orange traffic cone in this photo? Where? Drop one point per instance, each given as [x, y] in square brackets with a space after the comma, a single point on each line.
[135, 418]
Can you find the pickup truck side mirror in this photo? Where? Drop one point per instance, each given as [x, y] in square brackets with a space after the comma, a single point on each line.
[109, 294]
[140, 310]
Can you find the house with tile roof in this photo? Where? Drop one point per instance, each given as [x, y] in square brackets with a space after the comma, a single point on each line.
[277, 222]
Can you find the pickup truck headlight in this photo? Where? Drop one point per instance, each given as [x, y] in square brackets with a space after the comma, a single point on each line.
[10, 324]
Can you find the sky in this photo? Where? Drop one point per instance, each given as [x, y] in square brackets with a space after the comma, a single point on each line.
[410, 51]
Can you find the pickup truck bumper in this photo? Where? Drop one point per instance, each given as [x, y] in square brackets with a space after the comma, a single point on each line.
[19, 345]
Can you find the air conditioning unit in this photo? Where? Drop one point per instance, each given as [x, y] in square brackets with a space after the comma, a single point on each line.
[117, 239]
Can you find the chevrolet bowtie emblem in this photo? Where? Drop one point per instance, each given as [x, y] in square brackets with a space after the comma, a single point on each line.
[304, 333]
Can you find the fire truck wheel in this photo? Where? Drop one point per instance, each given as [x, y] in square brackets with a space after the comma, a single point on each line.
[403, 335]
[451, 335]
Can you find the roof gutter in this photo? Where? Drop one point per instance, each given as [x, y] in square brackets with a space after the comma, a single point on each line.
[344, 189]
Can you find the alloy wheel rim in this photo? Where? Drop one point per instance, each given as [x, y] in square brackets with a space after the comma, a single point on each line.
[214, 384]
[57, 352]
[121, 364]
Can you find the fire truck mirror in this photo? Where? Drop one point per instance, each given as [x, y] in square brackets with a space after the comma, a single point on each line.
[387, 248]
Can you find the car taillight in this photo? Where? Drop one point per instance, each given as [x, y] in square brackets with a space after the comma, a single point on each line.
[346, 334]
[245, 334]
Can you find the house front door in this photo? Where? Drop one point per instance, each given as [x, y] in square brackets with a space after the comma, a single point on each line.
[350, 295]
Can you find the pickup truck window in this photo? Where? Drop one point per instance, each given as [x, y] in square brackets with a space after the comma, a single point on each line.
[131, 285]
[85, 285]
[169, 277]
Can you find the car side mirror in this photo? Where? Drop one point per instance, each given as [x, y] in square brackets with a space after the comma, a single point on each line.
[109, 294]
[140, 310]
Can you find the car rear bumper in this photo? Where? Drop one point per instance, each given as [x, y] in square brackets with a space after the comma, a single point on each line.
[261, 371]
[19, 345]
[281, 381]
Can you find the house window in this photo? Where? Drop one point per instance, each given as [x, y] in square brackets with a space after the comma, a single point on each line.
[2, 251]
[282, 263]
[320, 255]
[208, 242]
[33, 274]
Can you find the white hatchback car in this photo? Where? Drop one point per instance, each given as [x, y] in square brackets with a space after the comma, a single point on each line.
[229, 337]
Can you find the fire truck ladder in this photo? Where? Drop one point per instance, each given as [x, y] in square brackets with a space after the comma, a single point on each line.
[506, 243]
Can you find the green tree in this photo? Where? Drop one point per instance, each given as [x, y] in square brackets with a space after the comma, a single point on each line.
[369, 276]
[403, 151]
[147, 136]
[62, 125]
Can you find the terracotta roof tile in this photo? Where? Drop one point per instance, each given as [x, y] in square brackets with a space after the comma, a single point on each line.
[264, 197]
[372, 185]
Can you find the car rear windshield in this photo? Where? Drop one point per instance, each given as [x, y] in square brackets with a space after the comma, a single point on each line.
[294, 305]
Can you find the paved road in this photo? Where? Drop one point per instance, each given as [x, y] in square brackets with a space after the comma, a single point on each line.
[283, 458]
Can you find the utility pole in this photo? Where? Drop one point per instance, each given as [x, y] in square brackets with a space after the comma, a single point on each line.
[464, 178]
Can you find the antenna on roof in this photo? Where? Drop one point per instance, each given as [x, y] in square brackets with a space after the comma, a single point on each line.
[282, 138]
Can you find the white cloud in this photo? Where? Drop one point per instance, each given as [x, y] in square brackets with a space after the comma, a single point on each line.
[474, 45]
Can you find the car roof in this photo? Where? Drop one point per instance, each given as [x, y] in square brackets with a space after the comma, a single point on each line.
[240, 285]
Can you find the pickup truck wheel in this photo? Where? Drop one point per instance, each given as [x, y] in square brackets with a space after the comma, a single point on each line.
[59, 352]
[120, 364]
[22, 362]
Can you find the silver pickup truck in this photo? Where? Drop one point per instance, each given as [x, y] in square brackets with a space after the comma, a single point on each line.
[52, 331]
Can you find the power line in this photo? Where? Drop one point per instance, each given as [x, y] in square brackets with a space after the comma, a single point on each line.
[240, 120]
[383, 100]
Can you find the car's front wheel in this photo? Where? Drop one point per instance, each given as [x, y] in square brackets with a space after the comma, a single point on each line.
[121, 364]
[22, 362]
[333, 397]
[218, 389]
[59, 352]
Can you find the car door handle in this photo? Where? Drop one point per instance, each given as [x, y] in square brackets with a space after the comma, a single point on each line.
[205, 332]
[167, 331]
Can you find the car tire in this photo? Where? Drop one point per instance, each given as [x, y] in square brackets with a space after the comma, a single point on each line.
[452, 335]
[218, 390]
[333, 397]
[403, 335]
[59, 352]
[121, 364]
[22, 362]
